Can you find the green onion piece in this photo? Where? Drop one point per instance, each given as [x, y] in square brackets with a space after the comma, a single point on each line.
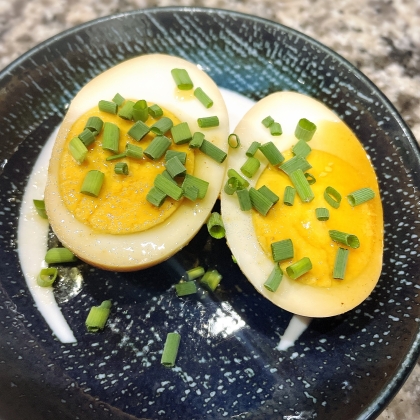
[360, 196]
[190, 192]
[250, 167]
[273, 197]
[234, 141]
[203, 97]
[299, 268]
[155, 111]
[310, 178]
[40, 208]
[157, 147]
[118, 99]
[182, 79]
[59, 255]
[162, 126]
[92, 183]
[270, 151]
[252, 149]
[282, 250]
[126, 111]
[295, 163]
[231, 185]
[259, 201]
[185, 288]
[87, 137]
[347, 239]
[301, 148]
[115, 157]
[133, 151]
[194, 273]
[181, 133]
[156, 197]
[302, 186]
[111, 137]
[242, 182]
[97, 316]
[108, 106]
[140, 111]
[94, 124]
[267, 121]
[78, 150]
[274, 279]
[138, 130]
[47, 276]
[207, 122]
[175, 167]
[289, 196]
[275, 129]
[305, 130]
[211, 279]
[166, 174]
[182, 156]
[169, 188]
[244, 199]
[197, 140]
[322, 214]
[199, 183]
[121, 168]
[332, 197]
[340, 263]
[212, 151]
[215, 226]
[170, 349]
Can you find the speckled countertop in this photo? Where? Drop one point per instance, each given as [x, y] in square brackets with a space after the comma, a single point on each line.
[380, 37]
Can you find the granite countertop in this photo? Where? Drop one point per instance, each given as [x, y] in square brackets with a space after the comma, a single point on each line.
[380, 37]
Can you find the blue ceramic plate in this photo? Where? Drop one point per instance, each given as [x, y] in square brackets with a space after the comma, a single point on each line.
[348, 366]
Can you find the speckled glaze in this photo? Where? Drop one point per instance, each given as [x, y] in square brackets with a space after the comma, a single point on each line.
[348, 366]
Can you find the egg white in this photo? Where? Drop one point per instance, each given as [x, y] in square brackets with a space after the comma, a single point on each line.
[286, 108]
[146, 77]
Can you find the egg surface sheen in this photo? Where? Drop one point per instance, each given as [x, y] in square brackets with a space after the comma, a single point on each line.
[146, 77]
[338, 160]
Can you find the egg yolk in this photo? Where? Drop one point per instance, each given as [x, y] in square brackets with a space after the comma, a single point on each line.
[121, 206]
[309, 235]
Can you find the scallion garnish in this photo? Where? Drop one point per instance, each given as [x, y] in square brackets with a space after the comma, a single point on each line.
[282, 250]
[111, 137]
[252, 149]
[274, 279]
[59, 255]
[118, 99]
[231, 185]
[121, 168]
[207, 122]
[182, 156]
[185, 288]
[243, 183]
[92, 183]
[169, 188]
[289, 195]
[87, 137]
[211, 279]
[140, 111]
[250, 167]
[194, 273]
[302, 186]
[267, 121]
[310, 178]
[97, 316]
[78, 150]
[295, 163]
[181, 133]
[156, 197]
[347, 239]
[182, 79]
[272, 153]
[244, 199]
[212, 151]
[275, 129]
[215, 225]
[259, 201]
[301, 148]
[199, 183]
[332, 197]
[305, 129]
[157, 147]
[272, 196]
[155, 111]
[340, 263]
[162, 126]
[360, 196]
[133, 151]
[234, 141]
[197, 140]
[108, 106]
[138, 130]
[175, 167]
[170, 349]
[40, 208]
[94, 124]
[203, 97]
[126, 111]
[190, 192]
[322, 214]
[115, 157]
[299, 268]
[47, 276]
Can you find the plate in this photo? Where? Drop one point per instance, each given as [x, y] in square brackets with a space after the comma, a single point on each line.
[229, 365]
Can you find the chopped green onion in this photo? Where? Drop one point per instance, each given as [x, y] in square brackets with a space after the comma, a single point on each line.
[185, 288]
[215, 226]
[126, 111]
[133, 151]
[92, 183]
[274, 279]
[162, 126]
[295, 163]
[207, 122]
[121, 168]
[212, 151]
[197, 140]
[155, 111]
[332, 197]
[272, 153]
[252, 149]
[138, 130]
[156, 197]
[115, 157]
[181, 133]
[273, 197]
[211, 279]
[157, 147]
[199, 183]
[231, 185]
[259, 201]
[190, 192]
[267, 121]
[305, 129]
[182, 156]
[275, 129]
[243, 183]
[194, 273]
[322, 214]
[87, 137]
[166, 174]
[78, 150]
[310, 178]
[244, 199]
[299, 268]
[234, 141]
[302, 186]
[107, 106]
[168, 187]
[111, 137]
[182, 79]
[282, 250]
[170, 349]
[40, 208]
[118, 99]
[59, 255]
[360, 196]
[97, 316]
[340, 263]
[140, 111]
[175, 167]
[250, 167]
[47, 276]
[301, 148]
[347, 239]
[94, 124]
[203, 97]
[289, 196]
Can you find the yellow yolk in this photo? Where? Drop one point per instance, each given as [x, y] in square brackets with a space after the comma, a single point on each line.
[121, 206]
